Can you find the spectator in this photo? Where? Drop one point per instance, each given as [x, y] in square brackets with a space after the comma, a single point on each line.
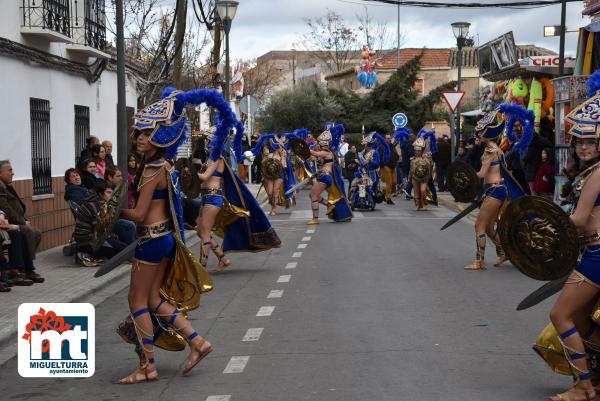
[108, 147]
[532, 158]
[442, 160]
[124, 229]
[113, 176]
[351, 161]
[14, 208]
[99, 156]
[89, 174]
[74, 191]
[9, 276]
[408, 151]
[461, 155]
[388, 171]
[86, 153]
[475, 153]
[543, 184]
[132, 166]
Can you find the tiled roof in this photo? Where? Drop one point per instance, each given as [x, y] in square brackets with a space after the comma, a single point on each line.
[432, 58]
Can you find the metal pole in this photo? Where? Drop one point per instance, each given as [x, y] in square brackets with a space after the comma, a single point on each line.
[398, 39]
[563, 28]
[456, 135]
[122, 142]
[227, 24]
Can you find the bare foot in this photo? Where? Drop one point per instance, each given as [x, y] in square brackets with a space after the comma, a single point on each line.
[141, 375]
[223, 263]
[199, 348]
[500, 261]
[576, 394]
[476, 265]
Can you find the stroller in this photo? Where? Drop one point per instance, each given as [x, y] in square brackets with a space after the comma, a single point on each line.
[363, 194]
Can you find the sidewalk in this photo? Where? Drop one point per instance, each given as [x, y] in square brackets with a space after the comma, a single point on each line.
[65, 282]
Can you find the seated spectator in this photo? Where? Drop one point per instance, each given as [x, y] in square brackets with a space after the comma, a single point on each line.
[124, 229]
[86, 153]
[12, 255]
[89, 175]
[92, 204]
[74, 191]
[99, 156]
[132, 166]
[14, 208]
[108, 146]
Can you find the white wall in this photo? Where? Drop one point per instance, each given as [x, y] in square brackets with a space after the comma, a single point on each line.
[20, 81]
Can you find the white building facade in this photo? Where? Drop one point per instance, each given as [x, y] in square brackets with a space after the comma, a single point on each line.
[58, 87]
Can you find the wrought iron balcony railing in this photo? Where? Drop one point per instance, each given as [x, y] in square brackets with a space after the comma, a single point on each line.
[95, 24]
[54, 15]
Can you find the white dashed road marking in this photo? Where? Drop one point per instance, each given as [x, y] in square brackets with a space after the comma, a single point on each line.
[291, 265]
[253, 334]
[284, 279]
[265, 311]
[310, 231]
[304, 239]
[275, 294]
[296, 254]
[218, 398]
[302, 246]
[236, 364]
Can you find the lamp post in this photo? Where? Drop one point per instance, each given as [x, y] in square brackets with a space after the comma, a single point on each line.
[461, 31]
[226, 10]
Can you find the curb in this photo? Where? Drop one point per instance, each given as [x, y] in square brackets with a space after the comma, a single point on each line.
[9, 334]
[457, 207]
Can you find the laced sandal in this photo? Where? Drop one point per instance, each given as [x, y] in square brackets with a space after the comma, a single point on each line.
[499, 251]
[204, 253]
[191, 362]
[313, 222]
[476, 265]
[141, 375]
[223, 259]
[147, 371]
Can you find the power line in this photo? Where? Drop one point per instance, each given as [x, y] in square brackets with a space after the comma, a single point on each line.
[511, 4]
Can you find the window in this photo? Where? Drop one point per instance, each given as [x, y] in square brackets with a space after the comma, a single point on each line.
[40, 146]
[82, 130]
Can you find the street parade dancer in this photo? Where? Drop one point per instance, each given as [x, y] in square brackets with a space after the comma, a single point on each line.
[161, 260]
[228, 207]
[499, 183]
[576, 306]
[370, 162]
[421, 170]
[277, 171]
[329, 177]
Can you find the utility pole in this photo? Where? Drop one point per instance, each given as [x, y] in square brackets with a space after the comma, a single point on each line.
[563, 29]
[294, 68]
[122, 140]
[398, 39]
[180, 25]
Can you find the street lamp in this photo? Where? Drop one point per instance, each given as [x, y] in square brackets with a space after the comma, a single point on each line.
[226, 10]
[461, 32]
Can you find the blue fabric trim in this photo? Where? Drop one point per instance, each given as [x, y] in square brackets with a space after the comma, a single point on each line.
[584, 376]
[192, 336]
[162, 301]
[147, 341]
[568, 333]
[140, 312]
[151, 360]
[577, 356]
[173, 316]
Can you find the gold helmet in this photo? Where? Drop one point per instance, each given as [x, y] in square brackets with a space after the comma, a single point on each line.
[419, 144]
[324, 139]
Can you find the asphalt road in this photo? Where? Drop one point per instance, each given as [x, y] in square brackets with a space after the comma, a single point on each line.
[376, 309]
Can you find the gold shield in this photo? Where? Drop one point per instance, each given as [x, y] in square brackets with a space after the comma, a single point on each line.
[539, 238]
[188, 178]
[271, 169]
[462, 182]
[421, 170]
[300, 148]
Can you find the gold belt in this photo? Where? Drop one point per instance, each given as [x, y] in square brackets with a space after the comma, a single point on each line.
[592, 239]
[155, 230]
[495, 184]
[211, 192]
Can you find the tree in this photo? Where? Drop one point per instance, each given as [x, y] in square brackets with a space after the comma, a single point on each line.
[331, 39]
[374, 34]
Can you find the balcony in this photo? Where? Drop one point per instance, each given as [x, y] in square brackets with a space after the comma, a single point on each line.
[50, 19]
[89, 32]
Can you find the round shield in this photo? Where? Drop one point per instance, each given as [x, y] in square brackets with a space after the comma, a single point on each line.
[271, 169]
[421, 170]
[462, 181]
[300, 148]
[188, 178]
[108, 215]
[539, 238]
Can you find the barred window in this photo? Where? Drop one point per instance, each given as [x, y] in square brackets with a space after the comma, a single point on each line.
[82, 130]
[40, 146]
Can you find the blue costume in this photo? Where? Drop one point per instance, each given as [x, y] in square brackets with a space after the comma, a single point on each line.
[370, 161]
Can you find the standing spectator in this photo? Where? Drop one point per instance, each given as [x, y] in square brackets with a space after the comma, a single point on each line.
[442, 160]
[461, 155]
[475, 153]
[543, 184]
[388, 171]
[74, 191]
[532, 158]
[343, 146]
[14, 208]
[89, 174]
[99, 156]
[408, 152]
[108, 147]
[86, 153]
[352, 163]
[132, 166]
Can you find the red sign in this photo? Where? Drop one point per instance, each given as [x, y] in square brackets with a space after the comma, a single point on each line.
[453, 99]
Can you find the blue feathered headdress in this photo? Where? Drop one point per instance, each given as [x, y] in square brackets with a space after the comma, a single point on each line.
[336, 136]
[401, 135]
[526, 118]
[429, 135]
[261, 142]
[374, 140]
[593, 84]
[300, 133]
[237, 147]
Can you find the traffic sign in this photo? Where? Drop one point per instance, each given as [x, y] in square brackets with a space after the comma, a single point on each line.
[248, 105]
[400, 120]
[453, 99]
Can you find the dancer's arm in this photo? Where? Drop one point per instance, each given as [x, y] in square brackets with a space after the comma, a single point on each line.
[485, 165]
[586, 201]
[150, 179]
[210, 169]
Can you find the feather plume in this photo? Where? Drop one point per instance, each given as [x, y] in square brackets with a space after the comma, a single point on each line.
[526, 118]
[237, 147]
[336, 136]
[386, 147]
[401, 135]
[261, 142]
[593, 83]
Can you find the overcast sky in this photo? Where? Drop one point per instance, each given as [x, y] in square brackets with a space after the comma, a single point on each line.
[263, 25]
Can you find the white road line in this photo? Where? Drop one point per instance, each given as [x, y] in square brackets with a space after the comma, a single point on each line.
[218, 398]
[302, 246]
[305, 239]
[265, 311]
[236, 364]
[291, 265]
[284, 278]
[310, 231]
[296, 254]
[253, 334]
[275, 294]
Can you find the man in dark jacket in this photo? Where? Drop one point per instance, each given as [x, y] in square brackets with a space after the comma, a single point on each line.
[442, 160]
[351, 162]
[14, 209]
[108, 147]
[408, 152]
[86, 153]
